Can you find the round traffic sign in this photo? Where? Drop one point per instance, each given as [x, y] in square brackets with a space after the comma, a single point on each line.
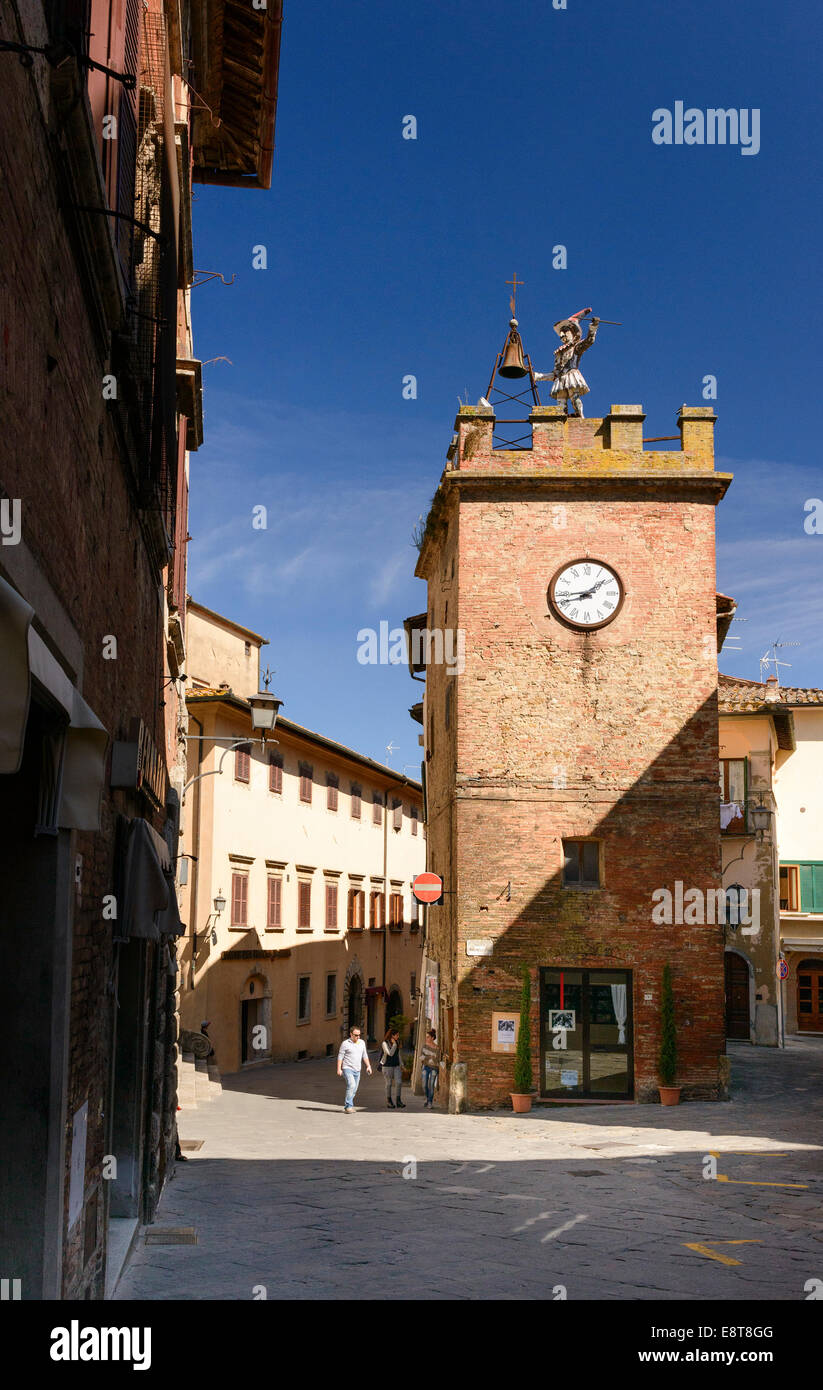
[427, 888]
[783, 969]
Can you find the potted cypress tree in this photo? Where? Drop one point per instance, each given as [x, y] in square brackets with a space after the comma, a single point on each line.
[667, 1068]
[521, 1095]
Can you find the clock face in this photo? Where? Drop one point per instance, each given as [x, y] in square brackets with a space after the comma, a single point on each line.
[586, 594]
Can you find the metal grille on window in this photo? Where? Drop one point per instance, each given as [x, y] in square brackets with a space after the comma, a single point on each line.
[154, 284]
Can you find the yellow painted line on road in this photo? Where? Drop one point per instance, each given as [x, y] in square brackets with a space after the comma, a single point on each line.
[751, 1153]
[703, 1249]
[746, 1182]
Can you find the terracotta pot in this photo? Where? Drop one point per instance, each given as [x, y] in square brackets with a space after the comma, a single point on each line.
[521, 1105]
[669, 1095]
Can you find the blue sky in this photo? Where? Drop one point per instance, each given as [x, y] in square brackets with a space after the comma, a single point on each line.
[389, 256]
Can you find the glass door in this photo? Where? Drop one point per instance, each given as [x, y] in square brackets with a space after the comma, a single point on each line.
[586, 1034]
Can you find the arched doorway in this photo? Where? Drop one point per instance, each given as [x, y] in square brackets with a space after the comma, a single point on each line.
[738, 1018]
[394, 1006]
[354, 1014]
[810, 996]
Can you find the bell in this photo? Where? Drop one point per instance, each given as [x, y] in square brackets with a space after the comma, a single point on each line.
[513, 364]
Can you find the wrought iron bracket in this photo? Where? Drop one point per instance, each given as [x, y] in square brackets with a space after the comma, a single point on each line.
[55, 53]
[160, 237]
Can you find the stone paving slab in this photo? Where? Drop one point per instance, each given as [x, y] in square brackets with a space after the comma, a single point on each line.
[289, 1193]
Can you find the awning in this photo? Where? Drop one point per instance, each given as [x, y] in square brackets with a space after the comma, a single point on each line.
[23, 655]
[15, 617]
[84, 758]
[148, 887]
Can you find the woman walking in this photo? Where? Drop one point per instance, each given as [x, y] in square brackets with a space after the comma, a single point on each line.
[392, 1072]
[429, 1058]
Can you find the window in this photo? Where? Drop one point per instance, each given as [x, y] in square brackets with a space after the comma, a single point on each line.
[275, 772]
[274, 906]
[304, 905]
[414, 818]
[242, 763]
[356, 801]
[331, 907]
[377, 809]
[331, 792]
[733, 795]
[306, 777]
[417, 915]
[376, 909]
[396, 911]
[789, 888]
[356, 909]
[239, 900]
[581, 863]
[331, 996]
[303, 998]
[802, 888]
[397, 815]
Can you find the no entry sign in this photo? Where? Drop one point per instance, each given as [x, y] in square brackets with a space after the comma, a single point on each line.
[427, 888]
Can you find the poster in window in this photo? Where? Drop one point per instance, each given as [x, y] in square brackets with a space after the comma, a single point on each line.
[562, 1018]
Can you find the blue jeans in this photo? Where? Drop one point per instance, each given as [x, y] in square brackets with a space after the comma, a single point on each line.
[352, 1083]
[429, 1078]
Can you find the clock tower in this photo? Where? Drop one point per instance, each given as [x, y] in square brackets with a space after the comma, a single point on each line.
[571, 757]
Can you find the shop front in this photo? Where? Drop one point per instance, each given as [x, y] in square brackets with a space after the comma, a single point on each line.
[586, 1031]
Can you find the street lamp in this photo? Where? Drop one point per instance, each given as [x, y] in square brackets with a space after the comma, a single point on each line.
[265, 708]
[760, 818]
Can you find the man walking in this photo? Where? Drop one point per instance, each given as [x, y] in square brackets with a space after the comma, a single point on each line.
[350, 1059]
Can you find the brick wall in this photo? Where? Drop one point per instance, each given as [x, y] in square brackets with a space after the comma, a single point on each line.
[60, 455]
[627, 712]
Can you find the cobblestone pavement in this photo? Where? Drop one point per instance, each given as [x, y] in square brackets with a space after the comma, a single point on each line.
[289, 1193]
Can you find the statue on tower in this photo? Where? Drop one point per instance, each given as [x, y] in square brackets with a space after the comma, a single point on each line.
[568, 382]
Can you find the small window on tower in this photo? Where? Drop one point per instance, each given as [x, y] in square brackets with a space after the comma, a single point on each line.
[581, 863]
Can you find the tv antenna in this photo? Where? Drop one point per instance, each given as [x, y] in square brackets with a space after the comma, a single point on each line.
[766, 661]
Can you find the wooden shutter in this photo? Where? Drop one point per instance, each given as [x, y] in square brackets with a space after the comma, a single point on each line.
[275, 772]
[273, 919]
[356, 802]
[398, 815]
[242, 764]
[331, 792]
[331, 907]
[239, 899]
[306, 777]
[303, 905]
[377, 810]
[414, 820]
[811, 887]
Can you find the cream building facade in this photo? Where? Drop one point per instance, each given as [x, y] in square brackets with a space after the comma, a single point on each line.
[771, 756]
[298, 902]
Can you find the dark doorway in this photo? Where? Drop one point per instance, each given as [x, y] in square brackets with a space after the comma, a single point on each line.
[737, 997]
[355, 1018]
[394, 1006]
[129, 1068]
[251, 1014]
[35, 989]
[586, 1034]
[810, 996]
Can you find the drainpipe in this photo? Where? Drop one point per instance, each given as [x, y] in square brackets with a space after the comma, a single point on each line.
[385, 882]
[195, 863]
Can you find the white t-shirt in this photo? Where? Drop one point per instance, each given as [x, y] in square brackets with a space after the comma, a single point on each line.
[352, 1054]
